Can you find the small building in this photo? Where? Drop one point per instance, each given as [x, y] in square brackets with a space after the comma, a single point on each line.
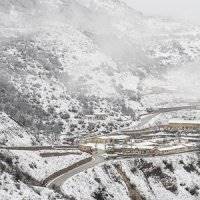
[115, 139]
[69, 139]
[108, 139]
[173, 149]
[184, 124]
[138, 134]
[135, 151]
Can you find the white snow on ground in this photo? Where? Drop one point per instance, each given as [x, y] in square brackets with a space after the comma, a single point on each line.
[154, 189]
[11, 134]
[98, 146]
[83, 185]
[102, 46]
[114, 137]
[177, 85]
[163, 118]
[128, 81]
[176, 120]
[13, 190]
[148, 144]
[100, 49]
[40, 168]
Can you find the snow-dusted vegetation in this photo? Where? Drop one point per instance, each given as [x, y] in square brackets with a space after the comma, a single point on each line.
[39, 167]
[12, 134]
[18, 185]
[54, 74]
[172, 177]
[72, 69]
[166, 178]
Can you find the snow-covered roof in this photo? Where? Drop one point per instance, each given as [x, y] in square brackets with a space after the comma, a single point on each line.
[100, 113]
[171, 147]
[116, 137]
[182, 121]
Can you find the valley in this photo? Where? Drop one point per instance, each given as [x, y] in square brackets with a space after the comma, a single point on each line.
[98, 101]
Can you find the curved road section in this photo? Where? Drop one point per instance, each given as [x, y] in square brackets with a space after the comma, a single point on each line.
[58, 181]
[98, 158]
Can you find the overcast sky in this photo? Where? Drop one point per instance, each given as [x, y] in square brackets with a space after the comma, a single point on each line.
[184, 9]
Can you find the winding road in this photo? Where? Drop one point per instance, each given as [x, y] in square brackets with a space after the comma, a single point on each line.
[98, 158]
[148, 117]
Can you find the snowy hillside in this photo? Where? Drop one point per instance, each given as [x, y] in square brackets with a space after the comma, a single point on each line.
[17, 185]
[162, 178]
[11, 134]
[71, 68]
[65, 59]
[40, 168]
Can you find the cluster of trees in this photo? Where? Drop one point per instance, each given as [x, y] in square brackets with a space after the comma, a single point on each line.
[87, 104]
[29, 55]
[27, 113]
[119, 105]
[24, 108]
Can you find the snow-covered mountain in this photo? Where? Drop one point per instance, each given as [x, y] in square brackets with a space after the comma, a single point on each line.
[63, 59]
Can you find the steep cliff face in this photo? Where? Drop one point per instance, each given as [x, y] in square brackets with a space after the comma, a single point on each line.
[60, 60]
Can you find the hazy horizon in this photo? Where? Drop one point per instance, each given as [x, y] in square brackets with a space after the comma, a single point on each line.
[181, 9]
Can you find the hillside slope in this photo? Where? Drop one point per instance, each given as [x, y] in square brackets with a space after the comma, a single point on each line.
[11, 134]
[162, 178]
[61, 60]
[17, 185]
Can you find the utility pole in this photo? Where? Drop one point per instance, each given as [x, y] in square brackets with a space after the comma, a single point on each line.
[119, 130]
[132, 145]
[179, 136]
[95, 146]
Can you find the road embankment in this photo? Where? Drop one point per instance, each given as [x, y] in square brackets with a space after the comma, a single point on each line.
[53, 176]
